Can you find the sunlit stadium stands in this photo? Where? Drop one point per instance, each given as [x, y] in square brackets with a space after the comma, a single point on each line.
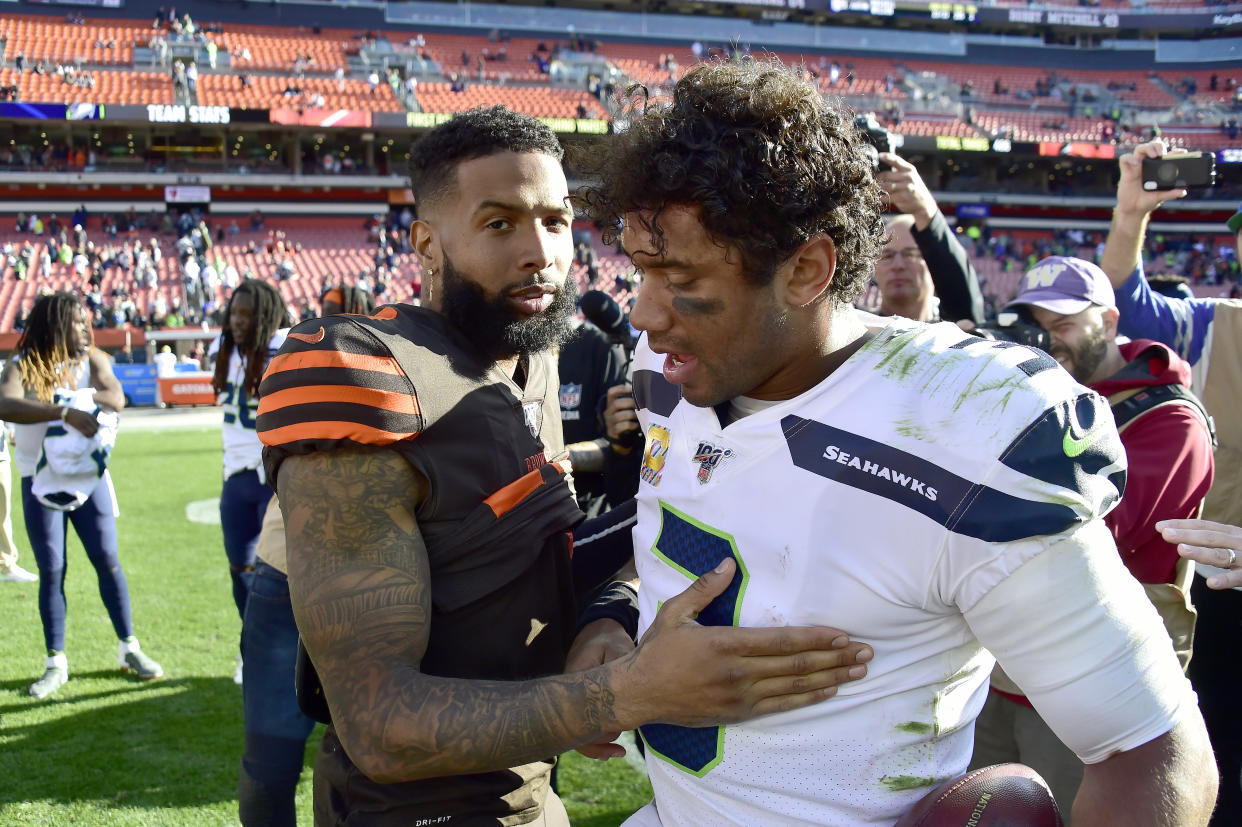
[272, 92]
[532, 100]
[931, 102]
[275, 49]
[1019, 81]
[110, 87]
[109, 43]
[448, 50]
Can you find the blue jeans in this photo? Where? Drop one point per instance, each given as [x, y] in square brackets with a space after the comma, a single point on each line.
[96, 528]
[276, 729]
[243, 500]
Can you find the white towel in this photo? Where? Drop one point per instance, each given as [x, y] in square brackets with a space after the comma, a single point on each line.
[71, 464]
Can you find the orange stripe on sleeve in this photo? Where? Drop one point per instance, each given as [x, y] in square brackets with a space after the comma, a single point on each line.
[403, 403]
[362, 434]
[506, 498]
[334, 359]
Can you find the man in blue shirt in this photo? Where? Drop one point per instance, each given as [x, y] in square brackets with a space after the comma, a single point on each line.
[1208, 334]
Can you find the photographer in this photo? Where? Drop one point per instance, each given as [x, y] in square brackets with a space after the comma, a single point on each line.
[923, 257]
[590, 367]
[594, 370]
[1207, 333]
[1168, 447]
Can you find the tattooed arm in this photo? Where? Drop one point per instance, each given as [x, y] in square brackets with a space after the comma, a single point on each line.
[359, 581]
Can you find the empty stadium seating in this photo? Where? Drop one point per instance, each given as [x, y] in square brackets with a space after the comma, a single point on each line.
[1042, 126]
[448, 50]
[1022, 78]
[269, 92]
[275, 49]
[930, 126]
[110, 87]
[532, 100]
[53, 40]
[267, 54]
[1203, 81]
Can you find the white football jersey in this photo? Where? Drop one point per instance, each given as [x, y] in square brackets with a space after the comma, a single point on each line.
[242, 449]
[885, 501]
[28, 437]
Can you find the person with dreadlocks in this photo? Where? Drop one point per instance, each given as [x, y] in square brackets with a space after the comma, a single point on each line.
[254, 327]
[276, 727]
[55, 358]
[345, 299]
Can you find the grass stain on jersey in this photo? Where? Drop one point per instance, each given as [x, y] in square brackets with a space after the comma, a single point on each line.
[915, 728]
[899, 362]
[901, 783]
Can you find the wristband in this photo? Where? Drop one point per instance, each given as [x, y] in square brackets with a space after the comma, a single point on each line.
[619, 602]
[64, 412]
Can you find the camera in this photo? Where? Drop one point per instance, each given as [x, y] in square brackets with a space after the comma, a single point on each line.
[1015, 326]
[1178, 171]
[878, 140]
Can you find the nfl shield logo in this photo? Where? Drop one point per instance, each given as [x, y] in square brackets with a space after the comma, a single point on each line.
[571, 396]
[709, 457]
[532, 412]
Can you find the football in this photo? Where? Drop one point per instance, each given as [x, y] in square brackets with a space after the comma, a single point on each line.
[1003, 795]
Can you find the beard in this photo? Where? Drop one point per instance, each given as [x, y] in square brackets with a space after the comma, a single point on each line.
[494, 327]
[1087, 357]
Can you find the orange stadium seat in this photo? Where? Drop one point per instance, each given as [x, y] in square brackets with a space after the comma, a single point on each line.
[1197, 136]
[268, 92]
[111, 87]
[927, 126]
[1203, 80]
[274, 48]
[447, 50]
[532, 100]
[1042, 126]
[52, 39]
[1015, 78]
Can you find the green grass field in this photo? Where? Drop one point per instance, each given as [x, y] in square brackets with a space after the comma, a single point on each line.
[107, 750]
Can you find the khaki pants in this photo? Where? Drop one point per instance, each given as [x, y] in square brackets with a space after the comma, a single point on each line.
[8, 551]
[554, 814]
[1008, 732]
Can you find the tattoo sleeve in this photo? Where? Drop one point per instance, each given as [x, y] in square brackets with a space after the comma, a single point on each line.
[359, 579]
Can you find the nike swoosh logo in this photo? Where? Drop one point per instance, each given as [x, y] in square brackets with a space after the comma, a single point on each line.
[309, 338]
[536, 626]
[1072, 446]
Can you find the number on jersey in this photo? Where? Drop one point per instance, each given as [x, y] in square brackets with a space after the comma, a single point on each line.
[694, 549]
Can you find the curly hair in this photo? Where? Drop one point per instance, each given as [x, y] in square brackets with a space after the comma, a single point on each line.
[46, 363]
[768, 161]
[473, 134]
[270, 315]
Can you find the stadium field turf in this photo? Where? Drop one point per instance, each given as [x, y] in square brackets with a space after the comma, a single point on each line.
[108, 750]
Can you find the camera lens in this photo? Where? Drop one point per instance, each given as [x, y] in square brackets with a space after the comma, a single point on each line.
[1167, 172]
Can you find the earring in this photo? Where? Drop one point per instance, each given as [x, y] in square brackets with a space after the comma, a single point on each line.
[426, 291]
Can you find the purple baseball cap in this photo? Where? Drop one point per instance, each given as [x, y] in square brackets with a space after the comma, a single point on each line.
[1065, 285]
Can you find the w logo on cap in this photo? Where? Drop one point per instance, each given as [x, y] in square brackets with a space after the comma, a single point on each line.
[1044, 274]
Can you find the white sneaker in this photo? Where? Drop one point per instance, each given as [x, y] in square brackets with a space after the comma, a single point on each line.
[237, 672]
[136, 661]
[55, 676]
[17, 574]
